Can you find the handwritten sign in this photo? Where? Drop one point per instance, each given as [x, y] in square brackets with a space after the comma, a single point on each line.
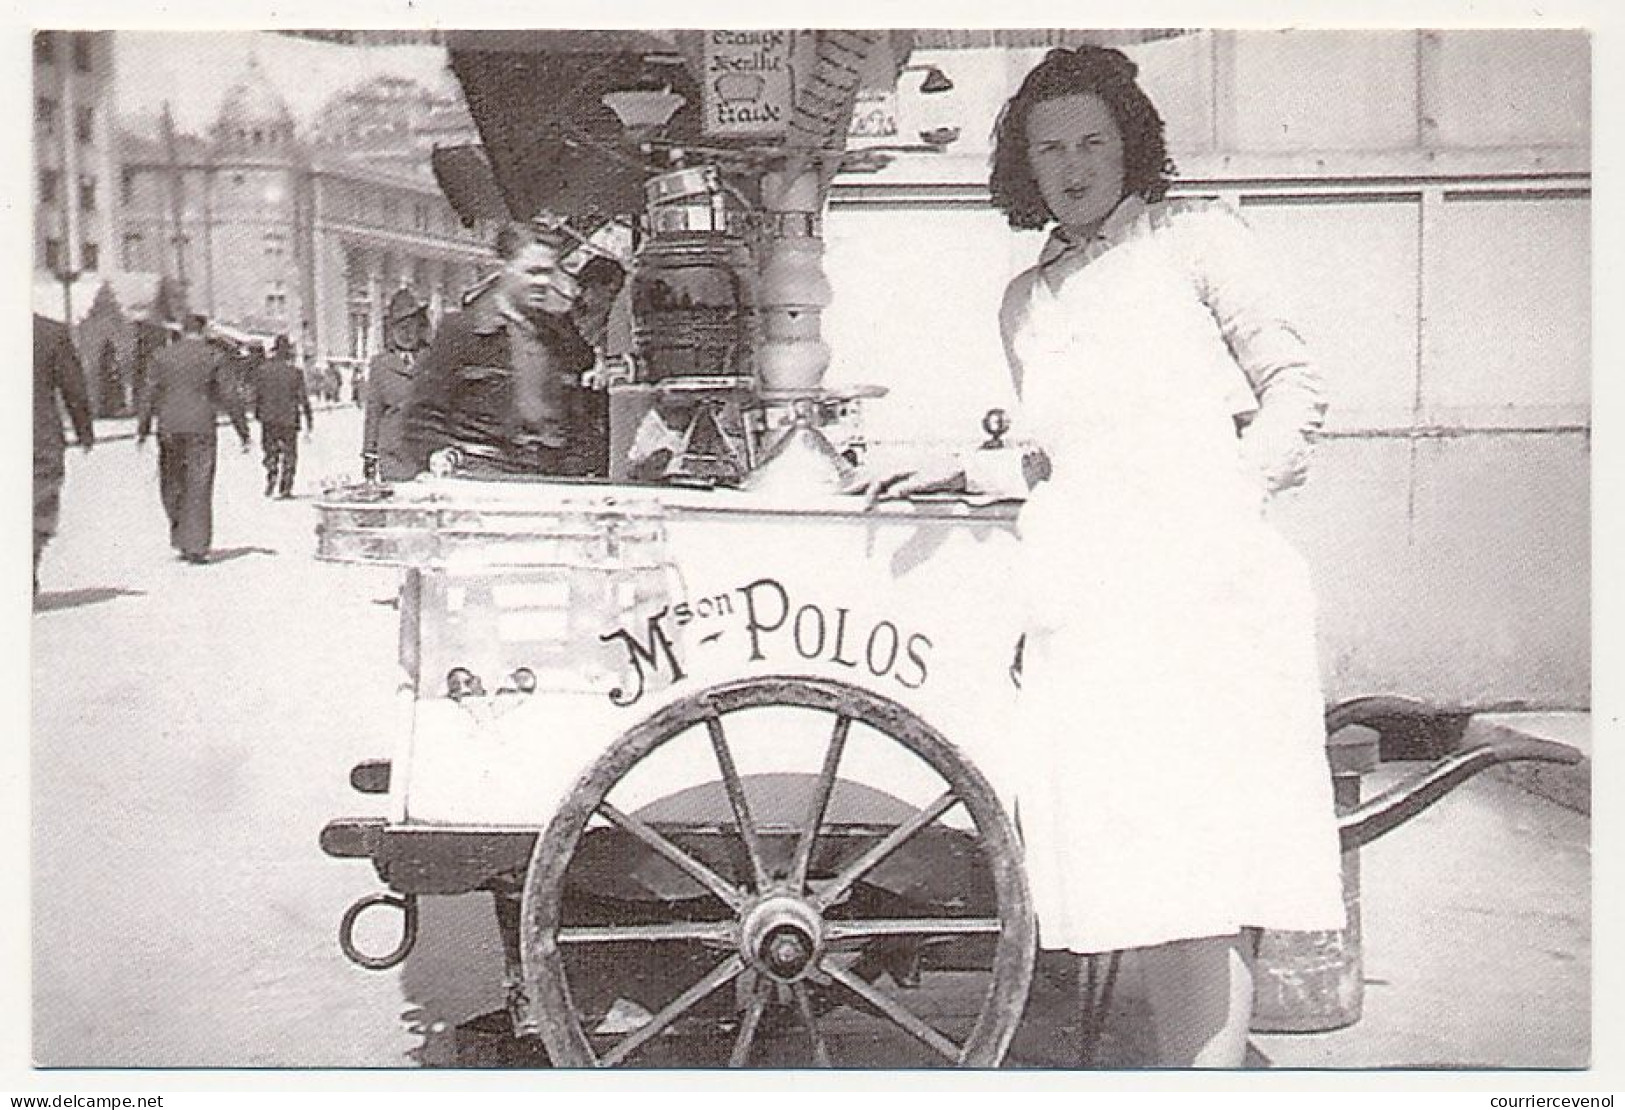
[747, 82]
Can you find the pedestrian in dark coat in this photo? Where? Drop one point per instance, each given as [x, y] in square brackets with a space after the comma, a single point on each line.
[280, 401]
[187, 386]
[57, 373]
[384, 453]
[497, 382]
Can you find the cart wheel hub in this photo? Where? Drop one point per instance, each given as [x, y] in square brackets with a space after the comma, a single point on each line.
[782, 936]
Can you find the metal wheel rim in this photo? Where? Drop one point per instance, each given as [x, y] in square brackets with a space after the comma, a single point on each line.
[1011, 971]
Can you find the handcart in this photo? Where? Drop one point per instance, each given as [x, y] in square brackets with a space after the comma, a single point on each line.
[732, 761]
[728, 766]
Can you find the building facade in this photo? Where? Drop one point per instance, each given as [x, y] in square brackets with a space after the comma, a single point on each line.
[277, 233]
[75, 209]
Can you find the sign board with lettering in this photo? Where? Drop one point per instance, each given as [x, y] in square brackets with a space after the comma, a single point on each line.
[913, 605]
[748, 84]
[874, 116]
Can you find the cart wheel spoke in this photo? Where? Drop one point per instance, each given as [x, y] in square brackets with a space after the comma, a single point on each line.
[865, 929]
[818, 805]
[901, 1015]
[719, 886]
[810, 1020]
[722, 931]
[759, 990]
[780, 903]
[736, 799]
[676, 1008]
[867, 862]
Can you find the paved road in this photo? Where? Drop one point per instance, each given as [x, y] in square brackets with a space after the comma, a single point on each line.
[194, 727]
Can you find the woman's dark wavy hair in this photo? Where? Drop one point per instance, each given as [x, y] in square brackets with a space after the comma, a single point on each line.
[1109, 74]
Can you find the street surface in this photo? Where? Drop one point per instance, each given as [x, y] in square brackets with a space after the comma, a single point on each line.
[194, 728]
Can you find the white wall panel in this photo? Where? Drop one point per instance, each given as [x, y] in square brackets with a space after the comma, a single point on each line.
[1320, 90]
[1508, 88]
[1508, 333]
[916, 310]
[1349, 268]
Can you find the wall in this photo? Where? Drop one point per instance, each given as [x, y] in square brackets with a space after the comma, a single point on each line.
[1434, 231]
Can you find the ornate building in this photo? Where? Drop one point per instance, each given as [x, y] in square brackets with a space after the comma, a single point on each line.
[275, 232]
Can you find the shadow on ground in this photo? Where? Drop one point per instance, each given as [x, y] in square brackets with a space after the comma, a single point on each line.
[78, 599]
[227, 554]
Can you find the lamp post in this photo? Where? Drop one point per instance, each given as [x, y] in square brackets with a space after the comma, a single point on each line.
[67, 276]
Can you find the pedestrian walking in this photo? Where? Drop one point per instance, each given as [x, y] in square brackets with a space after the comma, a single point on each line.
[280, 402]
[384, 454]
[188, 385]
[57, 374]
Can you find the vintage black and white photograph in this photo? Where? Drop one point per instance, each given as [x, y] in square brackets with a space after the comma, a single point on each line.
[1045, 548]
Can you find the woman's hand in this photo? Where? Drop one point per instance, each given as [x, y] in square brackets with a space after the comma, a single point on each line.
[1278, 456]
[940, 475]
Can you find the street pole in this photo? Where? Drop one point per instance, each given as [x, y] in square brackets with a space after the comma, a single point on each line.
[67, 277]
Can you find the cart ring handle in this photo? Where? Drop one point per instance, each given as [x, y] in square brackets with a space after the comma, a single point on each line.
[409, 931]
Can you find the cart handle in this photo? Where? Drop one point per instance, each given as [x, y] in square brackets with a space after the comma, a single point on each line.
[407, 904]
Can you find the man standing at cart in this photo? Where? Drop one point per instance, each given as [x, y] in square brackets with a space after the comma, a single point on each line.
[280, 401]
[188, 384]
[496, 382]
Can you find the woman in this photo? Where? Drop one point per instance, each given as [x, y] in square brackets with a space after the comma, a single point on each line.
[1175, 795]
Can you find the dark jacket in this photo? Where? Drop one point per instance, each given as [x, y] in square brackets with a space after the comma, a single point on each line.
[279, 394]
[388, 389]
[464, 393]
[187, 384]
[57, 372]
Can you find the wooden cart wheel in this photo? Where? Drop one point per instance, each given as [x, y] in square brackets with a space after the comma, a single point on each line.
[777, 944]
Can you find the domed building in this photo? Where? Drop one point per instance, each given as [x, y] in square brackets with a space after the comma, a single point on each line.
[273, 228]
[253, 116]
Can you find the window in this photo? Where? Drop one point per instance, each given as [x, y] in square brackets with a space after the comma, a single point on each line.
[132, 251]
[420, 217]
[45, 114]
[275, 244]
[86, 128]
[47, 186]
[90, 255]
[44, 48]
[87, 194]
[126, 186]
[276, 301]
[53, 255]
[81, 53]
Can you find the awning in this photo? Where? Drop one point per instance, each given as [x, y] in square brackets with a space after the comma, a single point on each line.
[550, 143]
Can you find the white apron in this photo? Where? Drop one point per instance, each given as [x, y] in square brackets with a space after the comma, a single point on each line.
[1172, 780]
